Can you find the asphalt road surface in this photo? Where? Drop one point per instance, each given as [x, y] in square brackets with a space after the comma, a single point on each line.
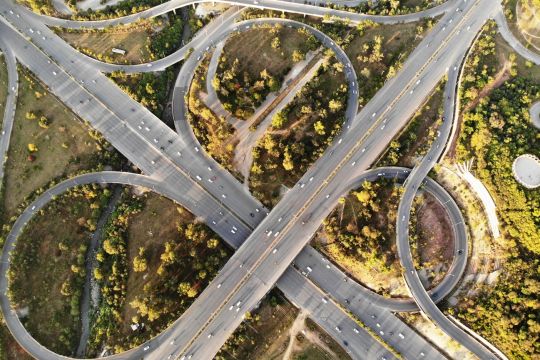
[255, 267]
[411, 186]
[111, 108]
[301, 292]
[280, 5]
[9, 108]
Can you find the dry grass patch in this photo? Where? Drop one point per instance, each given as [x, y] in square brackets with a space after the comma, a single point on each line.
[433, 249]
[254, 51]
[99, 43]
[62, 148]
[155, 225]
[318, 345]
[264, 334]
[3, 87]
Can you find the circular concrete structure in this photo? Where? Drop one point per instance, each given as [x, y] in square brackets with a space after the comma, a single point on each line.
[526, 170]
[534, 111]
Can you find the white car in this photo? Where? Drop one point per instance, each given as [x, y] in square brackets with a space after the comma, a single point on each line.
[146, 348]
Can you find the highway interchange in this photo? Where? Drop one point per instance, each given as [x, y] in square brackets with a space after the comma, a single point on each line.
[177, 161]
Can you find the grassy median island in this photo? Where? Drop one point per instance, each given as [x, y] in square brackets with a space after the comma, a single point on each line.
[48, 267]
[154, 260]
[495, 129]
[213, 132]
[145, 40]
[3, 87]
[300, 133]
[149, 89]
[48, 142]
[254, 63]
[416, 138]
[360, 236]
[275, 330]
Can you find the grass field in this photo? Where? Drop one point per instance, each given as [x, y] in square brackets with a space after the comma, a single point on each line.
[167, 258]
[47, 270]
[3, 87]
[133, 39]
[524, 68]
[253, 49]
[155, 225]
[62, 148]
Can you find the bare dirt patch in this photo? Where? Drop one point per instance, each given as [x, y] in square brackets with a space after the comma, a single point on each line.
[433, 249]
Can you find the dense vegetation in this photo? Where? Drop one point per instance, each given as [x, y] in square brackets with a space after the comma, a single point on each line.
[178, 271]
[495, 131]
[213, 132]
[359, 235]
[300, 133]
[149, 89]
[242, 84]
[48, 267]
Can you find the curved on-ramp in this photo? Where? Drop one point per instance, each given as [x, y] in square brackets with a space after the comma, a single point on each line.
[185, 76]
[279, 5]
[209, 30]
[507, 34]
[40, 352]
[477, 346]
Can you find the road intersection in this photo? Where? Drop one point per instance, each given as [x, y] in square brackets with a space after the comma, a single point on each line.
[82, 87]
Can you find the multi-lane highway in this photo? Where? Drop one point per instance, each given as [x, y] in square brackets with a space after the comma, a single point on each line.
[176, 161]
[411, 186]
[300, 291]
[255, 267]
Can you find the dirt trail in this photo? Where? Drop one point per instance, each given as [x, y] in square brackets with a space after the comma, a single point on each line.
[296, 327]
[500, 78]
[311, 336]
